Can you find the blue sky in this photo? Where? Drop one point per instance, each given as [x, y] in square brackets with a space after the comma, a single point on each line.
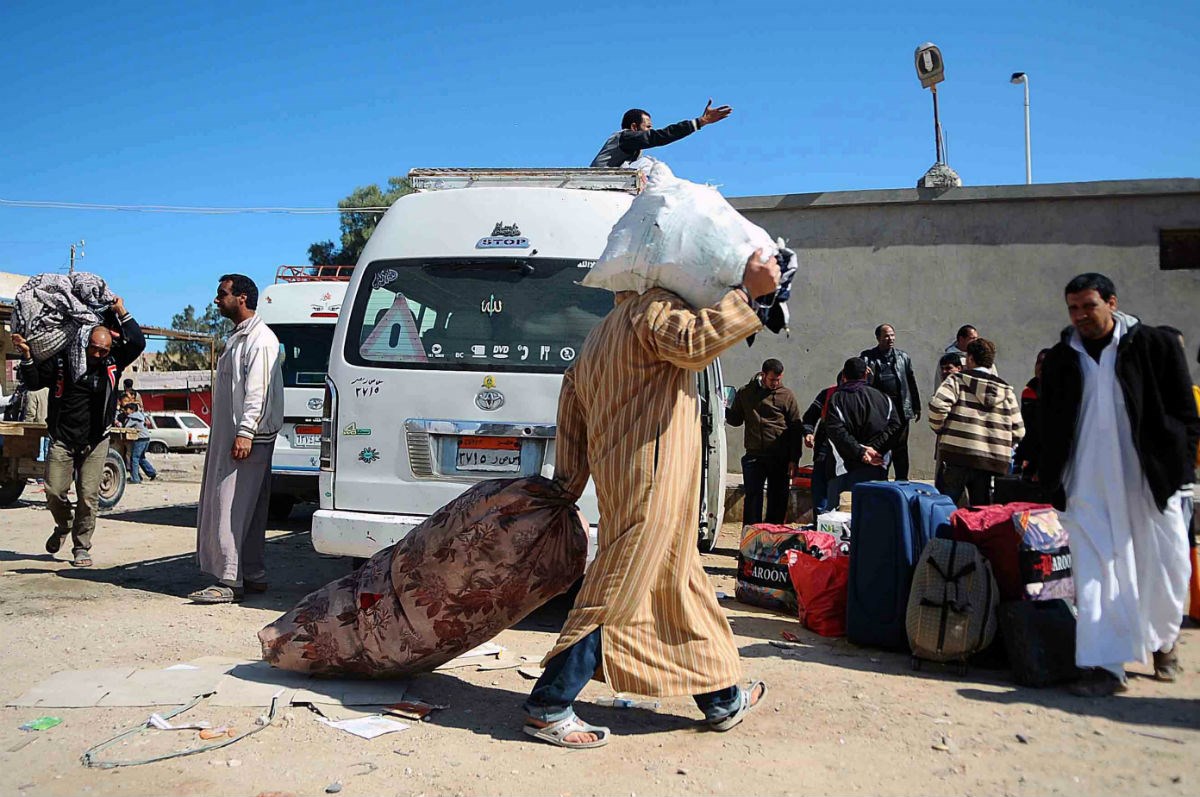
[243, 104]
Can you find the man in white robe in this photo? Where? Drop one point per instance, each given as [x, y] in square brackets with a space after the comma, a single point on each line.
[247, 411]
[1121, 432]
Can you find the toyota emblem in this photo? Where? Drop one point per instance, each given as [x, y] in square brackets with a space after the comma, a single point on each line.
[489, 399]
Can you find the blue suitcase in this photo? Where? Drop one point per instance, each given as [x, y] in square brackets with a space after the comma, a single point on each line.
[890, 523]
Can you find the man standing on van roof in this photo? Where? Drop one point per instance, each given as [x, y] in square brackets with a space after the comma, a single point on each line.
[247, 411]
[628, 416]
[637, 134]
[1119, 437]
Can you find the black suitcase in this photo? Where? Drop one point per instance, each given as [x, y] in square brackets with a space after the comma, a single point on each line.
[1039, 637]
[1011, 489]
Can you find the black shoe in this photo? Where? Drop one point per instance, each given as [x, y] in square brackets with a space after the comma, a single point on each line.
[54, 542]
[1097, 682]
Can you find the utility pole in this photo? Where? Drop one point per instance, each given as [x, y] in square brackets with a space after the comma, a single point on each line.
[1019, 78]
[81, 254]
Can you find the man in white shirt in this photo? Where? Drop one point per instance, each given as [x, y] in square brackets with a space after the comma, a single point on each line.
[247, 411]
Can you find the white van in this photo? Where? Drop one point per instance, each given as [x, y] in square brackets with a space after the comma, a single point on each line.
[301, 307]
[462, 315]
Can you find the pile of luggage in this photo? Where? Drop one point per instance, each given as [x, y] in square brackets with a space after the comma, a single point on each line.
[906, 569]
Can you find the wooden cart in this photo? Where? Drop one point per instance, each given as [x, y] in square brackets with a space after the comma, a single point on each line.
[21, 447]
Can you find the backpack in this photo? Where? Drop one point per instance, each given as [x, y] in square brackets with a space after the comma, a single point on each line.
[952, 605]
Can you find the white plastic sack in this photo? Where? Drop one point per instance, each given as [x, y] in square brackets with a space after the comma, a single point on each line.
[681, 236]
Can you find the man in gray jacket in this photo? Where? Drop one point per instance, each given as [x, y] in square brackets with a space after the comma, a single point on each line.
[637, 134]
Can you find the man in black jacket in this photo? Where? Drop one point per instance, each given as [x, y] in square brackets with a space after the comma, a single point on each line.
[891, 372]
[637, 134]
[813, 424]
[862, 424]
[81, 409]
[1119, 437]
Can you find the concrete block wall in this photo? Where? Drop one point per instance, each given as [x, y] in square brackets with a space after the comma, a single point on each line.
[995, 257]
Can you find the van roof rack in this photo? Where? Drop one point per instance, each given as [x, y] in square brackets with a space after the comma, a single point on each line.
[314, 273]
[629, 180]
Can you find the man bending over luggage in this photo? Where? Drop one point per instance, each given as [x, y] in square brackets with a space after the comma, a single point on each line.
[637, 134]
[862, 424]
[1119, 436]
[628, 417]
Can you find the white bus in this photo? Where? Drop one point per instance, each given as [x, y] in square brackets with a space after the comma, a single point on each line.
[301, 307]
[462, 315]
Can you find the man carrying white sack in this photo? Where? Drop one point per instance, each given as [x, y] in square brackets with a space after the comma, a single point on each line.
[1119, 436]
[647, 616]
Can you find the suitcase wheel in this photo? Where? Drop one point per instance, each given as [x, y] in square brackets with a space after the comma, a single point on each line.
[915, 663]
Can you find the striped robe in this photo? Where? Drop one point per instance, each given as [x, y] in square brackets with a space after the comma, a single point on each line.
[628, 415]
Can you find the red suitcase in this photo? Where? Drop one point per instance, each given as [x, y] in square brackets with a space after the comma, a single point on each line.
[991, 529]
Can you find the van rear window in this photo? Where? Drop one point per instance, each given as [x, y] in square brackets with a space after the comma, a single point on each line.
[305, 349]
[495, 314]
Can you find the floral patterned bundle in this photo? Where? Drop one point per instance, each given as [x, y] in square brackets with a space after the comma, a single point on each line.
[474, 568]
[1045, 556]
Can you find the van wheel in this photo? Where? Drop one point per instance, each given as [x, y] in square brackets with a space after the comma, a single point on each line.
[157, 447]
[280, 507]
[112, 480]
[11, 490]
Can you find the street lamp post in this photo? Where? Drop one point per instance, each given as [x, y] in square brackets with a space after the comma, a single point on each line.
[1022, 78]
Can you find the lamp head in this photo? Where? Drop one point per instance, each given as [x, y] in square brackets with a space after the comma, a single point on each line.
[1017, 78]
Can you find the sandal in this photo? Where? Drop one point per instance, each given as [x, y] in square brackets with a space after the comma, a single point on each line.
[556, 733]
[735, 717]
[217, 593]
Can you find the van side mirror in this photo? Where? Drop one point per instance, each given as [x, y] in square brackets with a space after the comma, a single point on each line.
[729, 392]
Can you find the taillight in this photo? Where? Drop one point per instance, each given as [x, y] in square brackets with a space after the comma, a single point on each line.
[328, 426]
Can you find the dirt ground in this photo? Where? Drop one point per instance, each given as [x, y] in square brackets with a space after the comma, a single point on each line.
[838, 719]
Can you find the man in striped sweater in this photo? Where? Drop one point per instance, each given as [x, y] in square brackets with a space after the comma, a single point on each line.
[978, 421]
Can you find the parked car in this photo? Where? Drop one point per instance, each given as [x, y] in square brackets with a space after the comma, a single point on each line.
[175, 430]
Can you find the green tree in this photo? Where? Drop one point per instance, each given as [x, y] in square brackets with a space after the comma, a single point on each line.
[190, 355]
[358, 226]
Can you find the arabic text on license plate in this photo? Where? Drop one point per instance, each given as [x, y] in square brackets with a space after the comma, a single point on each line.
[307, 441]
[488, 454]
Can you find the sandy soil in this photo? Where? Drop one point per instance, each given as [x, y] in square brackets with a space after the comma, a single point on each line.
[838, 719]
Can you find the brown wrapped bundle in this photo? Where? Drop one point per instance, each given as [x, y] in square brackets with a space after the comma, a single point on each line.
[474, 568]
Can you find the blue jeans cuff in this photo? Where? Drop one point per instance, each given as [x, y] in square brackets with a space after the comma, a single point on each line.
[548, 713]
[719, 705]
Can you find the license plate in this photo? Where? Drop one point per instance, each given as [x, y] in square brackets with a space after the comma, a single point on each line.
[307, 441]
[488, 454]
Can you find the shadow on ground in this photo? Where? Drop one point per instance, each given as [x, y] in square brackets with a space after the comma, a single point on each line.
[496, 712]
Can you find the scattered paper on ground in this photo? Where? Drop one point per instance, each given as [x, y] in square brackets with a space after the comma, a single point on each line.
[367, 727]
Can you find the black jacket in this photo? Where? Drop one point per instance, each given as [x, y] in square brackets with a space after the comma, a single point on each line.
[910, 396]
[1030, 447]
[101, 407]
[811, 421]
[858, 416]
[1153, 373]
[624, 146]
